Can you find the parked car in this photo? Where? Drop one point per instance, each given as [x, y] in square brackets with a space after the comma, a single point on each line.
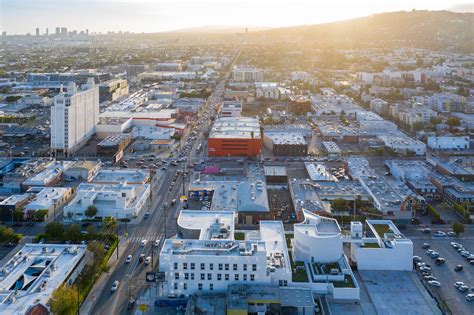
[458, 268]
[416, 258]
[451, 233]
[457, 284]
[463, 288]
[129, 259]
[455, 245]
[425, 246]
[430, 251]
[430, 277]
[440, 261]
[434, 255]
[439, 234]
[115, 286]
[426, 230]
[465, 254]
[470, 297]
[425, 268]
[434, 283]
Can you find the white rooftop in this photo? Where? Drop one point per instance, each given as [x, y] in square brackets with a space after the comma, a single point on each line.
[32, 274]
[115, 176]
[49, 174]
[236, 127]
[211, 224]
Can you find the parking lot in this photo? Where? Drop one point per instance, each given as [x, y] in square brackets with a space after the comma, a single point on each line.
[445, 273]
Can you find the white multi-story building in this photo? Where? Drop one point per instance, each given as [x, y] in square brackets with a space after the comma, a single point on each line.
[74, 115]
[387, 249]
[246, 74]
[216, 260]
[404, 144]
[267, 90]
[448, 143]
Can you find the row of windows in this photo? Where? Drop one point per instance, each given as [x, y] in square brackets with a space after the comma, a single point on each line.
[192, 266]
[211, 285]
[190, 276]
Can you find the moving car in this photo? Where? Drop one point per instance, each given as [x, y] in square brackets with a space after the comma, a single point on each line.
[141, 258]
[143, 243]
[156, 243]
[434, 283]
[115, 286]
[129, 259]
[148, 260]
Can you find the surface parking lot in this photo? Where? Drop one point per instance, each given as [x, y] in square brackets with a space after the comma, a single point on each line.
[445, 273]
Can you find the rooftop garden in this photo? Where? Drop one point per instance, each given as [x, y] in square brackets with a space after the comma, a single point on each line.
[371, 245]
[288, 238]
[381, 229]
[298, 270]
[321, 269]
[347, 283]
[239, 236]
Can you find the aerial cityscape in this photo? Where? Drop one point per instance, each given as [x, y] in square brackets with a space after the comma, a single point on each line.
[218, 163]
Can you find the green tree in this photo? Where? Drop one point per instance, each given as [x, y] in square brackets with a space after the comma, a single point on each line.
[453, 122]
[18, 215]
[7, 235]
[109, 223]
[73, 232]
[91, 231]
[40, 215]
[458, 228]
[98, 251]
[340, 204]
[91, 211]
[54, 231]
[418, 126]
[64, 300]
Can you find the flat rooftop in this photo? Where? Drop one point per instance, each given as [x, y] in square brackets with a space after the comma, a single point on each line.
[114, 176]
[280, 138]
[32, 274]
[210, 223]
[213, 247]
[236, 127]
[275, 171]
[318, 226]
[48, 174]
[319, 172]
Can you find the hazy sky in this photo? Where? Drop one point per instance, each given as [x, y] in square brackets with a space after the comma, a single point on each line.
[22, 16]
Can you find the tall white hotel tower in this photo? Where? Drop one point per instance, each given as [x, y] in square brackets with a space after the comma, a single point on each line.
[74, 115]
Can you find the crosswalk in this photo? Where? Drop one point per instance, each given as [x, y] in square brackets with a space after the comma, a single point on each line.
[150, 238]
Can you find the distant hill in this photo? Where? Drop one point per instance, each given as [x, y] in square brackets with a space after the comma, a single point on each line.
[438, 30]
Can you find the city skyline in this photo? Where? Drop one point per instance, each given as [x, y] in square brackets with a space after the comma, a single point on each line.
[23, 16]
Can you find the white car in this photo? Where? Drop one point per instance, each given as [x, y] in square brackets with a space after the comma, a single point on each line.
[457, 284]
[148, 260]
[143, 243]
[470, 297]
[115, 286]
[129, 259]
[156, 243]
[425, 268]
[439, 234]
[434, 283]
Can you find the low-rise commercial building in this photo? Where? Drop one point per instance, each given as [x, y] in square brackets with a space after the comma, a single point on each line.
[122, 201]
[82, 170]
[448, 143]
[29, 278]
[112, 90]
[285, 144]
[50, 199]
[232, 136]
[49, 176]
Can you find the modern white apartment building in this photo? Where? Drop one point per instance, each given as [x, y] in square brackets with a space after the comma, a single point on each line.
[74, 115]
[216, 260]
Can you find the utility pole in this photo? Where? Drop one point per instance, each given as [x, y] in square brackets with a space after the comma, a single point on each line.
[116, 234]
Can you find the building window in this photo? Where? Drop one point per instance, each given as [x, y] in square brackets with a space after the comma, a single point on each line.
[236, 277]
[280, 283]
[226, 277]
[234, 267]
[245, 267]
[245, 277]
[285, 283]
[211, 286]
[175, 265]
[252, 277]
[203, 266]
[185, 286]
[209, 276]
[186, 276]
[192, 276]
[220, 266]
[226, 266]
[192, 266]
[185, 266]
[211, 266]
[176, 276]
[199, 286]
[219, 277]
[254, 267]
[203, 276]
[176, 286]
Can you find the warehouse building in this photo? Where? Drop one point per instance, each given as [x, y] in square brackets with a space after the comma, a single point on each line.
[286, 144]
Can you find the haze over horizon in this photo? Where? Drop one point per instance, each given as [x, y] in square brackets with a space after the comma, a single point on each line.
[23, 16]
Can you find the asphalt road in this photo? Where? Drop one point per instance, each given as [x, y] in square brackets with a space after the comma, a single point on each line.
[132, 276]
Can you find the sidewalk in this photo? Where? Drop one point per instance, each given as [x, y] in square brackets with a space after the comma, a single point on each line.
[89, 302]
[16, 249]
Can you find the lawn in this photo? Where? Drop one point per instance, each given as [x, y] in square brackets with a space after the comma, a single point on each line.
[288, 238]
[239, 236]
[381, 229]
[298, 271]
